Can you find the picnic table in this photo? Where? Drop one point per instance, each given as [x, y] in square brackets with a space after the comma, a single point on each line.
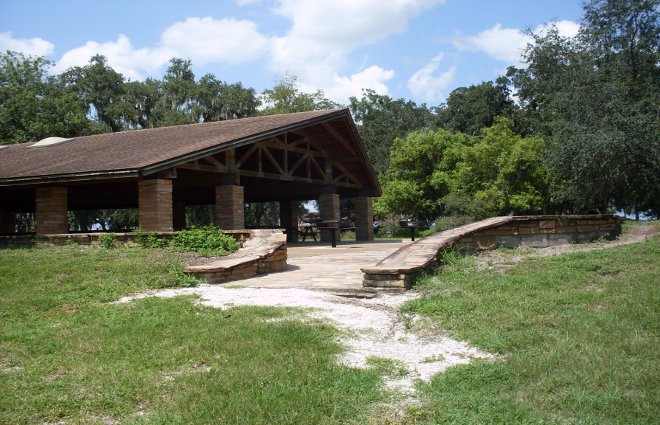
[409, 224]
[334, 226]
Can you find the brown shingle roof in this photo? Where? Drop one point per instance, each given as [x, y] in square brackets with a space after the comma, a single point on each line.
[133, 151]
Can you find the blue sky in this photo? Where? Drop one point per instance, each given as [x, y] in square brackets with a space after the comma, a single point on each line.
[415, 49]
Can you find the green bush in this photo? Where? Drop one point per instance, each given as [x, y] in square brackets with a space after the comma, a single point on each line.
[108, 240]
[207, 240]
[149, 240]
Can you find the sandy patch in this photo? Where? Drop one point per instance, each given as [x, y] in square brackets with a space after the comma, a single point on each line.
[375, 326]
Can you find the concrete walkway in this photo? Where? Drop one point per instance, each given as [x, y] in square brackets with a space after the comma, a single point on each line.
[317, 266]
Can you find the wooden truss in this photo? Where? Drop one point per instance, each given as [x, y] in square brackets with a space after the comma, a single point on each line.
[287, 157]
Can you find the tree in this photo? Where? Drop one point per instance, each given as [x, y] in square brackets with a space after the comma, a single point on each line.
[101, 91]
[435, 173]
[597, 99]
[217, 100]
[381, 120]
[143, 100]
[412, 185]
[500, 173]
[179, 91]
[285, 97]
[470, 109]
[34, 105]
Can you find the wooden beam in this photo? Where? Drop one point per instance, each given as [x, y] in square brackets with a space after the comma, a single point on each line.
[316, 165]
[211, 160]
[202, 167]
[294, 149]
[348, 173]
[272, 160]
[341, 139]
[247, 155]
[296, 165]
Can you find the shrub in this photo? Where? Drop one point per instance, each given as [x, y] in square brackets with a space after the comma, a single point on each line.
[108, 240]
[207, 240]
[149, 240]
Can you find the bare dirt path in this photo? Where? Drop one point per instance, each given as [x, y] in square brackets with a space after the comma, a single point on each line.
[374, 327]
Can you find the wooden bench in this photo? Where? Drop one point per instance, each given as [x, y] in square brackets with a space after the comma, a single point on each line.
[264, 252]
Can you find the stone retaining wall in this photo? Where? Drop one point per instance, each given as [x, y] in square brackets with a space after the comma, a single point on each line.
[399, 269]
[92, 238]
[541, 231]
[264, 252]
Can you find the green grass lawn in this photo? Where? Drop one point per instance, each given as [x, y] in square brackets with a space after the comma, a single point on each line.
[577, 336]
[67, 356]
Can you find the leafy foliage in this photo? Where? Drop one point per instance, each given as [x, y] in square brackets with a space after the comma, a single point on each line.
[381, 119]
[412, 186]
[286, 97]
[95, 98]
[108, 240]
[440, 172]
[149, 239]
[596, 98]
[34, 105]
[208, 240]
[471, 109]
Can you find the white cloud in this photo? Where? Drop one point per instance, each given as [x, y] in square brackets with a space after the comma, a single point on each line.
[316, 47]
[565, 28]
[343, 87]
[206, 40]
[504, 44]
[121, 55]
[427, 85]
[30, 46]
[508, 44]
[350, 23]
[322, 35]
[202, 40]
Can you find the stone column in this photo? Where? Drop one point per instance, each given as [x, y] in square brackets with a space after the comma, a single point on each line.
[155, 203]
[7, 223]
[289, 219]
[229, 207]
[364, 221]
[329, 210]
[51, 209]
[179, 215]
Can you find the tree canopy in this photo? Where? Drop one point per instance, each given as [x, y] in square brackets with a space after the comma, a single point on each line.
[381, 119]
[440, 172]
[286, 97]
[596, 98]
[470, 109]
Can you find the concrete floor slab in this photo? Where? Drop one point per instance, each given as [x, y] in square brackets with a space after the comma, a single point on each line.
[318, 266]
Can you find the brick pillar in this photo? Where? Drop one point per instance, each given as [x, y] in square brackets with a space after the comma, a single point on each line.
[155, 203]
[328, 210]
[7, 223]
[289, 219]
[364, 221]
[52, 206]
[229, 207]
[179, 215]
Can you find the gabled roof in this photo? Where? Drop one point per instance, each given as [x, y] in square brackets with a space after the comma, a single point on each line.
[143, 152]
